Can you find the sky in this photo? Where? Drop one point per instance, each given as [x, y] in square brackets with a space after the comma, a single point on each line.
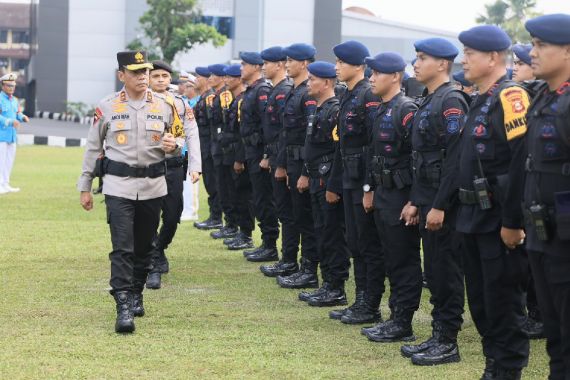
[450, 15]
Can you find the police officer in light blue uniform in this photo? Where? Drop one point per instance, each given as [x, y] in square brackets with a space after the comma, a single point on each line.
[547, 185]
[10, 119]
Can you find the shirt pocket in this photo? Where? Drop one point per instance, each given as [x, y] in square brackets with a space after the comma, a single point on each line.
[120, 132]
[154, 131]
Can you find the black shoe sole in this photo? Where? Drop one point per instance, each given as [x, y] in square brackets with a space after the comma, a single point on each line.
[373, 338]
[409, 355]
[237, 248]
[138, 314]
[153, 286]
[297, 286]
[327, 304]
[361, 322]
[450, 359]
[126, 329]
[282, 274]
[254, 259]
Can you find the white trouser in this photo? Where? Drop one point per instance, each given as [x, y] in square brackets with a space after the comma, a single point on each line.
[190, 195]
[7, 155]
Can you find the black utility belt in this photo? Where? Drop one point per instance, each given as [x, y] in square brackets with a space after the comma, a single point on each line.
[175, 162]
[121, 169]
[393, 178]
[557, 168]
[352, 152]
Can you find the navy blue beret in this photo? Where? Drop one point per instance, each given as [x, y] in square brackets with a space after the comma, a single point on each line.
[274, 54]
[161, 65]
[437, 47]
[460, 77]
[251, 57]
[387, 63]
[485, 38]
[553, 28]
[367, 72]
[217, 69]
[300, 52]
[414, 61]
[233, 70]
[522, 51]
[203, 71]
[322, 69]
[351, 52]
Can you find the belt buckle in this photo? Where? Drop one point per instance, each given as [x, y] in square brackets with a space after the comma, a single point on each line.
[140, 172]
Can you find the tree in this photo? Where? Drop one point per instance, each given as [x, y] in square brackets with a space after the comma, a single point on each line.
[174, 26]
[511, 16]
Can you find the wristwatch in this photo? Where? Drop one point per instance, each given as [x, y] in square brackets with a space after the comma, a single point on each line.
[366, 188]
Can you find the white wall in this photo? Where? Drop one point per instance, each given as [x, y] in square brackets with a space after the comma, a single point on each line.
[96, 34]
[288, 22]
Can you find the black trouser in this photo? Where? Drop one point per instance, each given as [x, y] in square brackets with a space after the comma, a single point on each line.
[531, 300]
[444, 272]
[210, 183]
[290, 235]
[329, 229]
[172, 205]
[401, 250]
[263, 202]
[302, 213]
[235, 193]
[133, 225]
[552, 283]
[495, 278]
[227, 193]
[367, 256]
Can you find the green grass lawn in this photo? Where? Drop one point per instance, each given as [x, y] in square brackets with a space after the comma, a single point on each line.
[216, 316]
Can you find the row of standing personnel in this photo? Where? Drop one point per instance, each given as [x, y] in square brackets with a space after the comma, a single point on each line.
[366, 172]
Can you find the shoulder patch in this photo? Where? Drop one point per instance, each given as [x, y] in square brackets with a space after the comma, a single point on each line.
[280, 96]
[97, 115]
[452, 118]
[310, 103]
[335, 133]
[372, 104]
[515, 102]
[407, 118]
[263, 97]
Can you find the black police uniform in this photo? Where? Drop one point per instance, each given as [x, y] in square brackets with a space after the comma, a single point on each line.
[235, 187]
[217, 121]
[435, 140]
[272, 129]
[357, 109]
[298, 106]
[390, 176]
[547, 218]
[491, 149]
[201, 112]
[251, 131]
[320, 146]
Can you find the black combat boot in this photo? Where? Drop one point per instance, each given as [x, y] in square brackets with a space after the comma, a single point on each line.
[255, 251]
[333, 296]
[209, 224]
[358, 302]
[279, 268]
[533, 326]
[154, 280]
[507, 374]
[242, 242]
[125, 322]
[364, 314]
[442, 351]
[224, 232]
[399, 330]
[138, 306]
[408, 350]
[305, 278]
[307, 295]
[489, 371]
[267, 254]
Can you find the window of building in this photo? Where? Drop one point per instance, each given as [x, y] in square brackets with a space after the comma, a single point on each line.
[224, 25]
[20, 37]
[3, 36]
[3, 62]
[19, 64]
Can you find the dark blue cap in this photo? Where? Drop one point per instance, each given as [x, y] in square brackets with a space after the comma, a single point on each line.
[274, 54]
[233, 70]
[485, 38]
[406, 76]
[351, 52]
[460, 77]
[217, 69]
[203, 71]
[367, 72]
[522, 51]
[437, 47]
[300, 52]
[387, 63]
[322, 69]
[413, 61]
[553, 28]
[251, 57]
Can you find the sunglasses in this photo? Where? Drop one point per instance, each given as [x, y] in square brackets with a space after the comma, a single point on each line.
[9, 85]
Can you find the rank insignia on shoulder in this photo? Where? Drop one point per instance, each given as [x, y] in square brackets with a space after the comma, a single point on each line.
[515, 102]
